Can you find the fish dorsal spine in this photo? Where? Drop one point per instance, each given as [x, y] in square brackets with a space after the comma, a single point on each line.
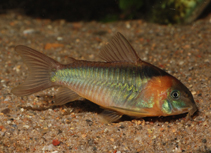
[119, 50]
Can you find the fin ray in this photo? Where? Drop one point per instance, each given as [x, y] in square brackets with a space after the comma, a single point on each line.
[40, 67]
[129, 112]
[110, 116]
[119, 49]
[65, 95]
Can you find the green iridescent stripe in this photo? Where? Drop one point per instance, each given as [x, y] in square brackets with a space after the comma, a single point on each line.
[121, 83]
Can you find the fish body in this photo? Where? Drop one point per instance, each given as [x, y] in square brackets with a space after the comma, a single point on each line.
[123, 84]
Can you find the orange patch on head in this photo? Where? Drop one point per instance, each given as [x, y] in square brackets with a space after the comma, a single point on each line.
[158, 87]
[162, 82]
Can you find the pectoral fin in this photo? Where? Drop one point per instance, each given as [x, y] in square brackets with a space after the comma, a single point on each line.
[131, 112]
[110, 116]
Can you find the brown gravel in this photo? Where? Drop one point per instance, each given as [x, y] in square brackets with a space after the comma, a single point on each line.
[184, 51]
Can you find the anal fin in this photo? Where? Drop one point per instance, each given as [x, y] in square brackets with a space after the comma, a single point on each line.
[65, 95]
[110, 116]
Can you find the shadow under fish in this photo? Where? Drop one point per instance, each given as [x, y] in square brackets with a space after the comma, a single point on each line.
[122, 85]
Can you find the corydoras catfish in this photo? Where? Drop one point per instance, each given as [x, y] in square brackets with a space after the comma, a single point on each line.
[123, 84]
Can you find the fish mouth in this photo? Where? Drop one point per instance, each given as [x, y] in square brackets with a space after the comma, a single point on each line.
[190, 110]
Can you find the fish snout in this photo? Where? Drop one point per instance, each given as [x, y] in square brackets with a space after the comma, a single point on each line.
[192, 109]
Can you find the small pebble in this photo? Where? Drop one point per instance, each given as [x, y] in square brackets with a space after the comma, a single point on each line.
[204, 140]
[5, 111]
[59, 38]
[26, 126]
[28, 31]
[56, 142]
[22, 109]
[48, 147]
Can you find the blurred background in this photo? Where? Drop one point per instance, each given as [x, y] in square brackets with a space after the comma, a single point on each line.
[162, 11]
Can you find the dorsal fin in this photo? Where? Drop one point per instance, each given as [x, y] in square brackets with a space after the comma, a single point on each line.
[119, 49]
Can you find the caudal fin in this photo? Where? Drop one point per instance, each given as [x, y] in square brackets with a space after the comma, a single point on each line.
[40, 70]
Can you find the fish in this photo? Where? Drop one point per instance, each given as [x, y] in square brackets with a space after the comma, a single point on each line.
[121, 84]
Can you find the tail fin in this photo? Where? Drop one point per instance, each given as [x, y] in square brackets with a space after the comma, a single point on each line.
[40, 70]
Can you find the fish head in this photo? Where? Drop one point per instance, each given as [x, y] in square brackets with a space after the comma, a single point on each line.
[178, 100]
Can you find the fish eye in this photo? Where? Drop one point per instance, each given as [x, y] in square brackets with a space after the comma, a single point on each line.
[175, 94]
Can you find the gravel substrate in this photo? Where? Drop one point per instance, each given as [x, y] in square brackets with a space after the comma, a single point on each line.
[28, 125]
